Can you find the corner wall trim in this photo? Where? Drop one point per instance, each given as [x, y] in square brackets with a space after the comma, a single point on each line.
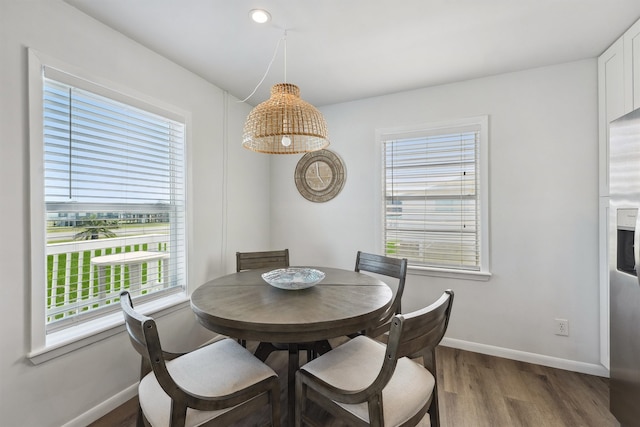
[523, 356]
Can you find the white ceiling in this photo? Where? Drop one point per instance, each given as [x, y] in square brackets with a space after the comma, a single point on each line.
[342, 50]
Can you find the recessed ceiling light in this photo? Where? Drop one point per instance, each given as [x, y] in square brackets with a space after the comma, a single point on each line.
[260, 16]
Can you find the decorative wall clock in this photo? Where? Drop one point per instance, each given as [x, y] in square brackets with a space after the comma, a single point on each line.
[320, 175]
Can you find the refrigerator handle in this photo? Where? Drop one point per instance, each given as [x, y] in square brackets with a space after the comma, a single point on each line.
[636, 248]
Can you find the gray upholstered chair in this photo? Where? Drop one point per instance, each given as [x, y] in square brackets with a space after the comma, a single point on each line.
[366, 382]
[217, 384]
[268, 259]
[386, 266]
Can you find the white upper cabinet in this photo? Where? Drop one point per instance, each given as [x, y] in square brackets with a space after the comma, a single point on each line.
[611, 99]
[618, 91]
[632, 67]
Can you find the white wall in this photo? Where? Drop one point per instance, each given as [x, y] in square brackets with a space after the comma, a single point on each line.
[74, 388]
[543, 209]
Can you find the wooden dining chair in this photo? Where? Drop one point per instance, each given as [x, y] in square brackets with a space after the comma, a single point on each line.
[265, 259]
[214, 385]
[390, 267]
[268, 259]
[365, 382]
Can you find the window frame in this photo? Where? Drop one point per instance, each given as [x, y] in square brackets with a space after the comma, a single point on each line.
[45, 346]
[429, 129]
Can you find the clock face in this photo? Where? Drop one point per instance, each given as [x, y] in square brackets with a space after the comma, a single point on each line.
[320, 175]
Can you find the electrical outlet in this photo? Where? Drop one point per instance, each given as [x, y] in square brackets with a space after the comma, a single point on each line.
[562, 327]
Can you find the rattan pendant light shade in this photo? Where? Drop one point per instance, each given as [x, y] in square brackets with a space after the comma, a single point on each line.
[285, 124]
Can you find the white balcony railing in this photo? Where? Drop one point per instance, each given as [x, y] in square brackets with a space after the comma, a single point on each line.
[75, 286]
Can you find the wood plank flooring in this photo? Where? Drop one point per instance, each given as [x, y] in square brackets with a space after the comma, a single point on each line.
[475, 391]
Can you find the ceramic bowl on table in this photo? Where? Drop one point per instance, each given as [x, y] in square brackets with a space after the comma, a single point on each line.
[293, 278]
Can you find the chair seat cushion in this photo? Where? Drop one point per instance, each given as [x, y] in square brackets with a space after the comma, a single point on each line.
[355, 364]
[218, 369]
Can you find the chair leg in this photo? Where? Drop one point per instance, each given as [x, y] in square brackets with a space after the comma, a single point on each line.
[293, 365]
[376, 417]
[434, 410]
[301, 399]
[433, 419]
[275, 403]
[139, 418]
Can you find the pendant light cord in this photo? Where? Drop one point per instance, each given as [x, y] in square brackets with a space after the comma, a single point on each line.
[275, 53]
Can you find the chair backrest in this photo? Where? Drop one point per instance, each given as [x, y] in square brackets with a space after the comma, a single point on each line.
[386, 266]
[416, 333]
[268, 259]
[420, 330]
[144, 337]
[411, 334]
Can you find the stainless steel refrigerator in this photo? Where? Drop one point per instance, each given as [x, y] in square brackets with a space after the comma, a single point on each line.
[624, 267]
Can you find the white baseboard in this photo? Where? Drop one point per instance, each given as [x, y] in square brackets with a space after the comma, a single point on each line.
[104, 408]
[523, 356]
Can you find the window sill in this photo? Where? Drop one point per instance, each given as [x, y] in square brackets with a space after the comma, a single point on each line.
[481, 276]
[70, 339]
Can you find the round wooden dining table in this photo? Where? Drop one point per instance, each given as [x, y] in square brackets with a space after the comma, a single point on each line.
[242, 305]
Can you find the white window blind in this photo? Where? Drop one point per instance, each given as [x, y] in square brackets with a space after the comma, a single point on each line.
[114, 183]
[432, 203]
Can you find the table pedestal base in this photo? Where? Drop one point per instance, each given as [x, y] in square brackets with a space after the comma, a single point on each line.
[313, 349]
